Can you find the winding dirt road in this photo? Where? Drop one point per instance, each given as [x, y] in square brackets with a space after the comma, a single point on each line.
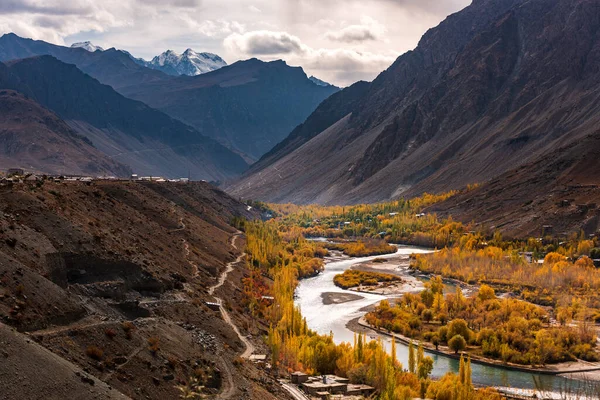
[222, 279]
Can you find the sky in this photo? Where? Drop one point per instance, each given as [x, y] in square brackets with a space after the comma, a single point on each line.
[339, 41]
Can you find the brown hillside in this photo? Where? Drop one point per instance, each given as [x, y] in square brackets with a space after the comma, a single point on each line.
[561, 190]
[37, 140]
[113, 278]
[495, 86]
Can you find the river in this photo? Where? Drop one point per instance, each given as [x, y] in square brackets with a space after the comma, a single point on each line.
[334, 317]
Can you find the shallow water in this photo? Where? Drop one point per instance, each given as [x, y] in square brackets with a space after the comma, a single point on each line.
[334, 317]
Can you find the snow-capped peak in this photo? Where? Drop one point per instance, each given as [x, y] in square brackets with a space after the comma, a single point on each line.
[319, 82]
[87, 46]
[189, 63]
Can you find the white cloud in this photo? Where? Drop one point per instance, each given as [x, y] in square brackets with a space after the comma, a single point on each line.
[323, 36]
[343, 65]
[369, 29]
[261, 43]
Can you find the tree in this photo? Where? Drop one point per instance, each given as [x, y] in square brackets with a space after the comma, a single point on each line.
[553, 258]
[459, 327]
[486, 293]
[427, 315]
[435, 340]
[457, 343]
[425, 367]
[412, 362]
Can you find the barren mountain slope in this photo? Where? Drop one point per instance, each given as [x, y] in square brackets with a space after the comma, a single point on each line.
[113, 277]
[33, 138]
[561, 190]
[128, 131]
[494, 86]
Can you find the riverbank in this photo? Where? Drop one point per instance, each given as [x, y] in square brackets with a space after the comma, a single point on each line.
[572, 369]
[339, 298]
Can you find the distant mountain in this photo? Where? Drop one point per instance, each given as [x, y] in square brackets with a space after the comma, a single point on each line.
[189, 63]
[35, 139]
[86, 46]
[319, 82]
[128, 131]
[249, 106]
[495, 86]
[111, 67]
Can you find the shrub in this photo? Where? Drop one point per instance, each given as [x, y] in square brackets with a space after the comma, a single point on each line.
[94, 352]
[153, 344]
[128, 327]
[110, 333]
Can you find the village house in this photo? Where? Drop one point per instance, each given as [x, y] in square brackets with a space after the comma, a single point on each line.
[324, 386]
[15, 172]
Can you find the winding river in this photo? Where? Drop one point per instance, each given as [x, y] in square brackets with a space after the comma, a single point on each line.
[334, 318]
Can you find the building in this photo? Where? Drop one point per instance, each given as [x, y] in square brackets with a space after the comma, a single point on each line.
[213, 306]
[326, 384]
[298, 377]
[15, 171]
[527, 255]
[360, 390]
[258, 358]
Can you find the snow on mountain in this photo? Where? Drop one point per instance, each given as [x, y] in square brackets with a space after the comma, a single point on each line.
[87, 46]
[189, 63]
[319, 82]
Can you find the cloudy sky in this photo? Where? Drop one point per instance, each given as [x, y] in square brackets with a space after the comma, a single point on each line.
[340, 41]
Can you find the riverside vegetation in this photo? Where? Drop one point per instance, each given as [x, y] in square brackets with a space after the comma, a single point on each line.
[279, 255]
[482, 325]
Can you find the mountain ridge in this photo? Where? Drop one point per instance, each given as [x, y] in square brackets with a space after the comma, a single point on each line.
[248, 106]
[151, 142]
[471, 102]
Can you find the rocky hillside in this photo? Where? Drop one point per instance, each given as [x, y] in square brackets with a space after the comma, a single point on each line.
[148, 141]
[33, 138]
[249, 106]
[109, 281]
[501, 84]
[560, 190]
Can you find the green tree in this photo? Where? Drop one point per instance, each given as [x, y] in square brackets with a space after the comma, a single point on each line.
[412, 362]
[425, 367]
[457, 343]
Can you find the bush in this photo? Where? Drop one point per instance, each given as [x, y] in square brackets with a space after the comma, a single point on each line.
[128, 327]
[94, 352]
[153, 344]
[110, 333]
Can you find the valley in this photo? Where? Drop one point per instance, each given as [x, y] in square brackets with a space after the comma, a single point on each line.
[177, 226]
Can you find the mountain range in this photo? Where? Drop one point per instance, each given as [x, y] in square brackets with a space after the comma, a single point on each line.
[223, 105]
[249, 106]
[127, 131]
[495, 87]
[189, 63]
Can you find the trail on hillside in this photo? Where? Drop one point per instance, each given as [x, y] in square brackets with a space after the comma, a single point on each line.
[249, 346]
